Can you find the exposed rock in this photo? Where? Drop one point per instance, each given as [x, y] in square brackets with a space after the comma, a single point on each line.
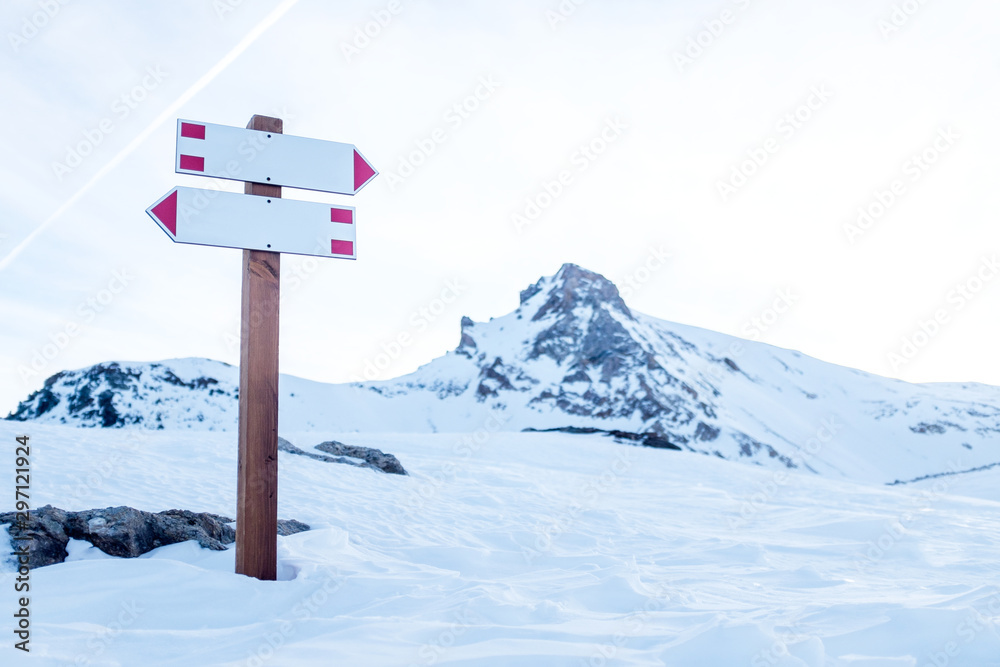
[644, 439]
[704, 432]
[611, 373]
[936, 428]
[285, 446]
[572, 353]
[578, 376]
[531, 291]
[614, 365]
[360, 457]
[467, 344]
[493, 380]
[47, 529]
[288, 527]
[950, 473]
[575, 286]
[750, 447]
[114, 395]
[123, 531]
[372, 458]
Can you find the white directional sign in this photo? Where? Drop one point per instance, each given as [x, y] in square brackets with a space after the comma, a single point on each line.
[239, 154]
[263, 225]
[231, 220]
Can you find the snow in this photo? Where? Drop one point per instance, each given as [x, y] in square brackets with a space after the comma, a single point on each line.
[505, 548]
[777, 540]
[705, 391]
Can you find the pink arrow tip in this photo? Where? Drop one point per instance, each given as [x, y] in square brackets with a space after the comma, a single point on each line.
[166, 212]
[363, 172]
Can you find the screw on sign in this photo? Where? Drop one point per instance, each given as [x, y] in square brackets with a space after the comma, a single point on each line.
[264, 225]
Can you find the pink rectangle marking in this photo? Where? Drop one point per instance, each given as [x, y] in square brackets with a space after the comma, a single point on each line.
[342, 247]
[344, 215]
[192, 163]
[192, 131]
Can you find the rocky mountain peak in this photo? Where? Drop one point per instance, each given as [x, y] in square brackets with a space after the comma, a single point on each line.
[573, 357]
[582, 311]
[572, 287]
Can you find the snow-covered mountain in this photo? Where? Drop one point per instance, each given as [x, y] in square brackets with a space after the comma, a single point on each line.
[574, 355]
[180, 393]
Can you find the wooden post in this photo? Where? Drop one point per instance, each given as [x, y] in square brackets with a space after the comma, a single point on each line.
[257, 477]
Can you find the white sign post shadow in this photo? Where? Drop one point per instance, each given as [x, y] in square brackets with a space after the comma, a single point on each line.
[263, 225]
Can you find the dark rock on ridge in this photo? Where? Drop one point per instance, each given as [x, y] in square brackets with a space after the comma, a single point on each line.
[644, 439]
[103, 395]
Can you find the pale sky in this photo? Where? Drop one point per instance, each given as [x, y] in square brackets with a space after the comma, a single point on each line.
[714, 154]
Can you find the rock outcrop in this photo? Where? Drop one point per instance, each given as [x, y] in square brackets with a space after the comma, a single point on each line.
[191, 393]
[352, 455]
[122, 531]
[626, 437]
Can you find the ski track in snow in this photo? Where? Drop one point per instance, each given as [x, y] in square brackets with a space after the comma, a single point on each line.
[516, 549]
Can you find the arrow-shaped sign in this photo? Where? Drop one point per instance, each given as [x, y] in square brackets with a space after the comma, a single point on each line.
[231, 220]
[239, 154]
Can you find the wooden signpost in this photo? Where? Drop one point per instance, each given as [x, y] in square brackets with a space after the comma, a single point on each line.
[264, 225]
[257, 466]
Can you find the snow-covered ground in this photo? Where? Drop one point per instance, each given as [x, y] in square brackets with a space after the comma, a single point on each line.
[508, 548]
